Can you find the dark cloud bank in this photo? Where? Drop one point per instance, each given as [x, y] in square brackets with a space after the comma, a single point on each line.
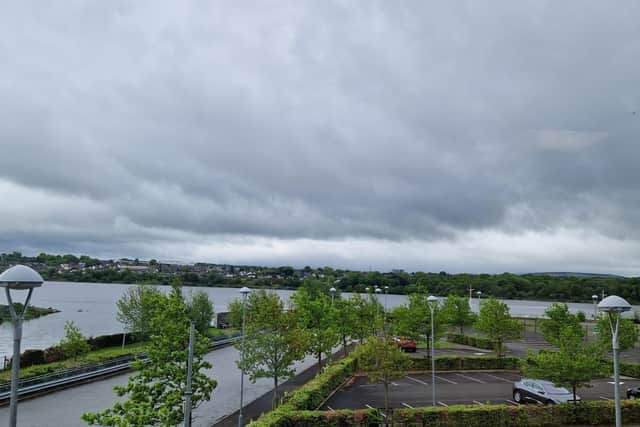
[474, 137]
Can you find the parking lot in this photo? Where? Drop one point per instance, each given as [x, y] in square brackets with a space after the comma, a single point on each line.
[452, 388]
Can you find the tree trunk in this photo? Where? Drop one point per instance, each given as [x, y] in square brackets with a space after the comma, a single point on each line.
[386, 397]
[344, 344]
[274, 402]
[574, 394]
[461, 329]
[499, 347]
[319, 360]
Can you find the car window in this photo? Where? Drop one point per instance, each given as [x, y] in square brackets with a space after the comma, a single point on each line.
[550, 388]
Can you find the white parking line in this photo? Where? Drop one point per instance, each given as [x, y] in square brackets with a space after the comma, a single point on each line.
[604, 398]
[416, 380]
[471, 378]
[369, 406]
[445, 379]
[498, 378]
[443, 404]
[331, 409]
[513, 403]
[478, 403]
[407, 405]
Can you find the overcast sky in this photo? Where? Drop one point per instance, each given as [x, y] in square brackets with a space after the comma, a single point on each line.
[460, 136]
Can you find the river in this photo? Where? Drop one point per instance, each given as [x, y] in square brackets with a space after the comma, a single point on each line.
[92, 306]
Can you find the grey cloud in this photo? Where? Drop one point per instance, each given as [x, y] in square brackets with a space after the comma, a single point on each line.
[330, 120]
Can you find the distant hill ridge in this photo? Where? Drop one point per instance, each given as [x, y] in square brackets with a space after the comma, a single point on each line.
[575, 274]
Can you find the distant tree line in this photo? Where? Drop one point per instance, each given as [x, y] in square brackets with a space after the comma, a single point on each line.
[505, 285]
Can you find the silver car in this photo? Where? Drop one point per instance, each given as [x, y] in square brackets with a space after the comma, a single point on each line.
[540, 391]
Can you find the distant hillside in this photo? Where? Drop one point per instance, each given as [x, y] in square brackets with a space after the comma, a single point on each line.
[574, 274]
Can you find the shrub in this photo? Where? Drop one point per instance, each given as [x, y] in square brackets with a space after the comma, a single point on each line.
[471, 340]
[31, 357]
[461, 363]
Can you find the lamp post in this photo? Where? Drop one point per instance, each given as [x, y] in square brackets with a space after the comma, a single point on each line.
[594, 297]
[479, 293]
[386, 291]
[432, 301]
[614, 306]
[244, 291]
[18, 277]
[333, 292]
[377, 290]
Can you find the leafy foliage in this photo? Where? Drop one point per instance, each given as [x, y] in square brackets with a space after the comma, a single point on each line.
[627, 332]
[137, 307]
[73, 344]
[201, 311]
[414, 319]
[383, 362]
[558, 318]
[457, 312]
[574, 365]
[155, 393]
[496, 323]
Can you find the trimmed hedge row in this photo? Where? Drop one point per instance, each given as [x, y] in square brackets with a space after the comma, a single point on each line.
[471, 340]
[310, 396]
[585, 413]
[461, 363]
[630, 369]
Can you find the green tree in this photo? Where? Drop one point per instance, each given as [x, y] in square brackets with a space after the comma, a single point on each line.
[383, 362]
[414, 320]
[201, 311]
[273, 342]
[346, 320]
[627, 332]
[558, 318]
[155, 393]
[317, 320]
[457, 312]
[136, 308]
[364, 310]
[74, 344]
[574, 365]
[496, 323]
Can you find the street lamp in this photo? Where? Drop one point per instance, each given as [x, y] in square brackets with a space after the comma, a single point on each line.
[18, 277]
[479, 293]
[432, 301]
[386, 290]
[377, 290]
[594, 297]
[244, 291]
[614, 306]
[333, 292]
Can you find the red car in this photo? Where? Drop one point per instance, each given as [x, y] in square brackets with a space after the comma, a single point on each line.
[406, 344]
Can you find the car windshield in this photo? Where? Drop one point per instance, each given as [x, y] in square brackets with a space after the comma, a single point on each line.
[551, 389]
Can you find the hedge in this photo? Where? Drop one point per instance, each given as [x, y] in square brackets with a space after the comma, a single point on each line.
[311, 395]
[461, 363]
[630, 369]
[471, 340]
[584, 413]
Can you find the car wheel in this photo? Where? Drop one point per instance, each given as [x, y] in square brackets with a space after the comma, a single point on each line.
[517, 396]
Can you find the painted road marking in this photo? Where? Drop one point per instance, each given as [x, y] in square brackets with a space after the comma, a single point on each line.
[407, 405]
[471, 378]
[613, 382]
[478, 403]
[605, 398]
[445, 379]
[331, 409]
[369, 406]
[443, 404]
[417, 380]
[498, 378]
[513, 403]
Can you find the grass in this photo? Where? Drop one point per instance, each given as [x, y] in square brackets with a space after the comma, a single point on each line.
[101, 355]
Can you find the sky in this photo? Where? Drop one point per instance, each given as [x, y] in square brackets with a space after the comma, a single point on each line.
[467, 136]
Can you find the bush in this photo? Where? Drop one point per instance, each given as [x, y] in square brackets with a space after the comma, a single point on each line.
[471, 340]
[461, 363]
[32, 357]
[585, 413]
[630, 369]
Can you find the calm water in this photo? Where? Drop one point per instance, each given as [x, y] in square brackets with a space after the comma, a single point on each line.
[92, 306]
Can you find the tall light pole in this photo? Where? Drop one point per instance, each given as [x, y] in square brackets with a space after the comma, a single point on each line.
[244, 291]
[479, 293]
[432, 301]
[386, 291]
[614, 306]
[188, 393]
[18, 277]
[333, 292]
[594, 297]
[378, 290]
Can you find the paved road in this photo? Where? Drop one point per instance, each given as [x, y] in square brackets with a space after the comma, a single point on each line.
[63, 408]
[466, 387]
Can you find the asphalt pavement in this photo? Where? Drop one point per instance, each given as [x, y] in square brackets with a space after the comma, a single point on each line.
[452, 388]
